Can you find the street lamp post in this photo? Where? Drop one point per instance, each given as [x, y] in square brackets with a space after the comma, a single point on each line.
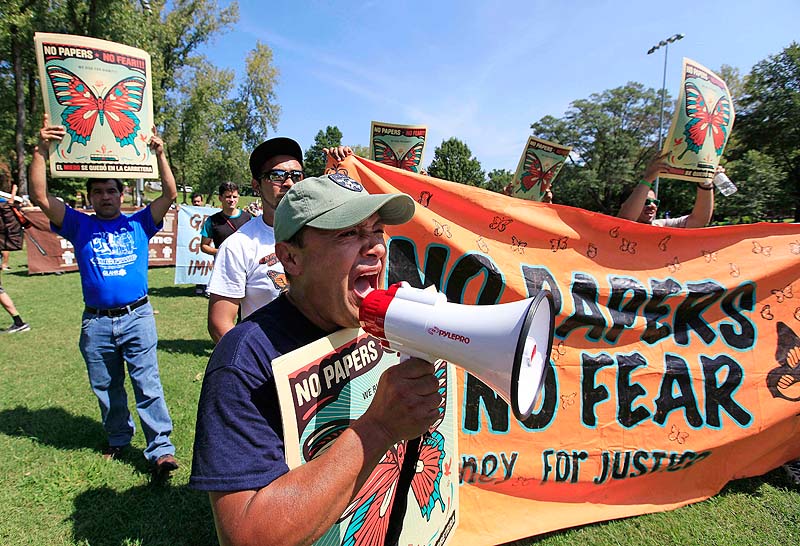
[665, 44]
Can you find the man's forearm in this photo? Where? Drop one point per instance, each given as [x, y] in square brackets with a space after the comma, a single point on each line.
[633, 205]
[270, 515]
[169, 188]
[37, 177]
[703, 208]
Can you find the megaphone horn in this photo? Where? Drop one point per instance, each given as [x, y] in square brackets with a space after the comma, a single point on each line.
[507, 346]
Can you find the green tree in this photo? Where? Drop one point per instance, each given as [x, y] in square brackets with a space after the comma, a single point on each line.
[758, 178]
[453, 161]
[172, 36]
[735, 82]
[498, 179]
[257, 108]
[614, 134]
[314, 161]
[770, 113]
[361, 151]
[205, 151]
[175, 36]
[18, 21]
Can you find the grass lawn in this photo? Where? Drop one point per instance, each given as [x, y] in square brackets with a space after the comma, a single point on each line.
[55, 488]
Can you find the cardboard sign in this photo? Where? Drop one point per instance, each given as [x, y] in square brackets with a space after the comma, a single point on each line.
[399, 146]
[325, 386]
[101, 93]
[701, 125]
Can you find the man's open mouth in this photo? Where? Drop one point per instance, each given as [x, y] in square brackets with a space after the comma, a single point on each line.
[364, 284]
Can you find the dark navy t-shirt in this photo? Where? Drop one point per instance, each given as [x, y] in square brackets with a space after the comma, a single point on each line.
[239, 437]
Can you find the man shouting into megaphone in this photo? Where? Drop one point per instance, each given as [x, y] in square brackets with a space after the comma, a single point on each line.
[329, 235]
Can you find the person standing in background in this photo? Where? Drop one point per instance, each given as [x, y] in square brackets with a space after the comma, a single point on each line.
[118, 325]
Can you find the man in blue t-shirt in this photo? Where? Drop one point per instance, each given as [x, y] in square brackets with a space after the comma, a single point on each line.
[118, 325]
[329, 236]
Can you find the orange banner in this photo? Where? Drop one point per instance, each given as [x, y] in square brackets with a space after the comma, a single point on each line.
[675, 367]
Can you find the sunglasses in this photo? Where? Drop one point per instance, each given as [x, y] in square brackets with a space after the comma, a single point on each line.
[279, 176]
[649, 201]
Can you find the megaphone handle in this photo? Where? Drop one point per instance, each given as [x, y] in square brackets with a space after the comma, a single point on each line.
[406, 352]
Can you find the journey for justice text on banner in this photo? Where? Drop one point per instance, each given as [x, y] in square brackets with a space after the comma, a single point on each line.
[192, 265]
[101, 93]
[399, 146]
[701, 125]
[325, 386]
[675, 365]
[540, 162]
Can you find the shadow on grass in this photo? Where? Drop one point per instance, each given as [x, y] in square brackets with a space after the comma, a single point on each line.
[148, 514]
[57, 428]
[196, 347]
[52, 426]
[172, 291]
[752, 486]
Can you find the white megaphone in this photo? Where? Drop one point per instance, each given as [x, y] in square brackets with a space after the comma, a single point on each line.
[507, 346]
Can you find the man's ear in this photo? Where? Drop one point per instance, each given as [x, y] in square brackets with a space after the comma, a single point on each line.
[290, 257]
[256, 187]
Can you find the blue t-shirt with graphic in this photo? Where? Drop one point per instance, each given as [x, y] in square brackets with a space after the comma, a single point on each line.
[112, 255]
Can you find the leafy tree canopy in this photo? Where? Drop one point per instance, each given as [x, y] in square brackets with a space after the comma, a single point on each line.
[453, 161]
[314, 161]
[498, 179]
[614, 134]
[769, 118]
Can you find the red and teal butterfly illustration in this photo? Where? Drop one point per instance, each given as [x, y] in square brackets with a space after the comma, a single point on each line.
[84, 108]
[370, 510]
[410, 160]
[533, 174]
[702, 121]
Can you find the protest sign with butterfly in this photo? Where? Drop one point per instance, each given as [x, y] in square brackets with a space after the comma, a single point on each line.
[328, 384]
[100, 92]
[541, 160]
[700, 127]
[398, 146]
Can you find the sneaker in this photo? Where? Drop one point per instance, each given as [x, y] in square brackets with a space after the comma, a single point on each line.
[792, 469]
[113, 452]
[164, 467]
[14, 328]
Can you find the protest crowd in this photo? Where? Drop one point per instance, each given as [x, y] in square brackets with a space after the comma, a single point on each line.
[293, 268]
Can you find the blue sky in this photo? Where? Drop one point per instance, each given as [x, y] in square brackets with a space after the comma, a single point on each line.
[483, 71]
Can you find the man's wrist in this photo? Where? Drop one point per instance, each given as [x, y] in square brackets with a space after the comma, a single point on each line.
[708, 185]
[644, 182]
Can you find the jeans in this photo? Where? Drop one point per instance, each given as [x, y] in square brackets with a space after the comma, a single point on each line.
[106, 344]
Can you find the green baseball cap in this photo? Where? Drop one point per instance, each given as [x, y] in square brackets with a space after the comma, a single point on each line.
[336, 201]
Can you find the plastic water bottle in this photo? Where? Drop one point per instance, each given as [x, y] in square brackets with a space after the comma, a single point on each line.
[724, 184]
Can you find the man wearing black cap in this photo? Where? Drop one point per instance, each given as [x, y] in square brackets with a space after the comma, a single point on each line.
[247, 274]
[330, 239]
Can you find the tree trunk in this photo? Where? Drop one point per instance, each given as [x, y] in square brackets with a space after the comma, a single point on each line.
[19, 130]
